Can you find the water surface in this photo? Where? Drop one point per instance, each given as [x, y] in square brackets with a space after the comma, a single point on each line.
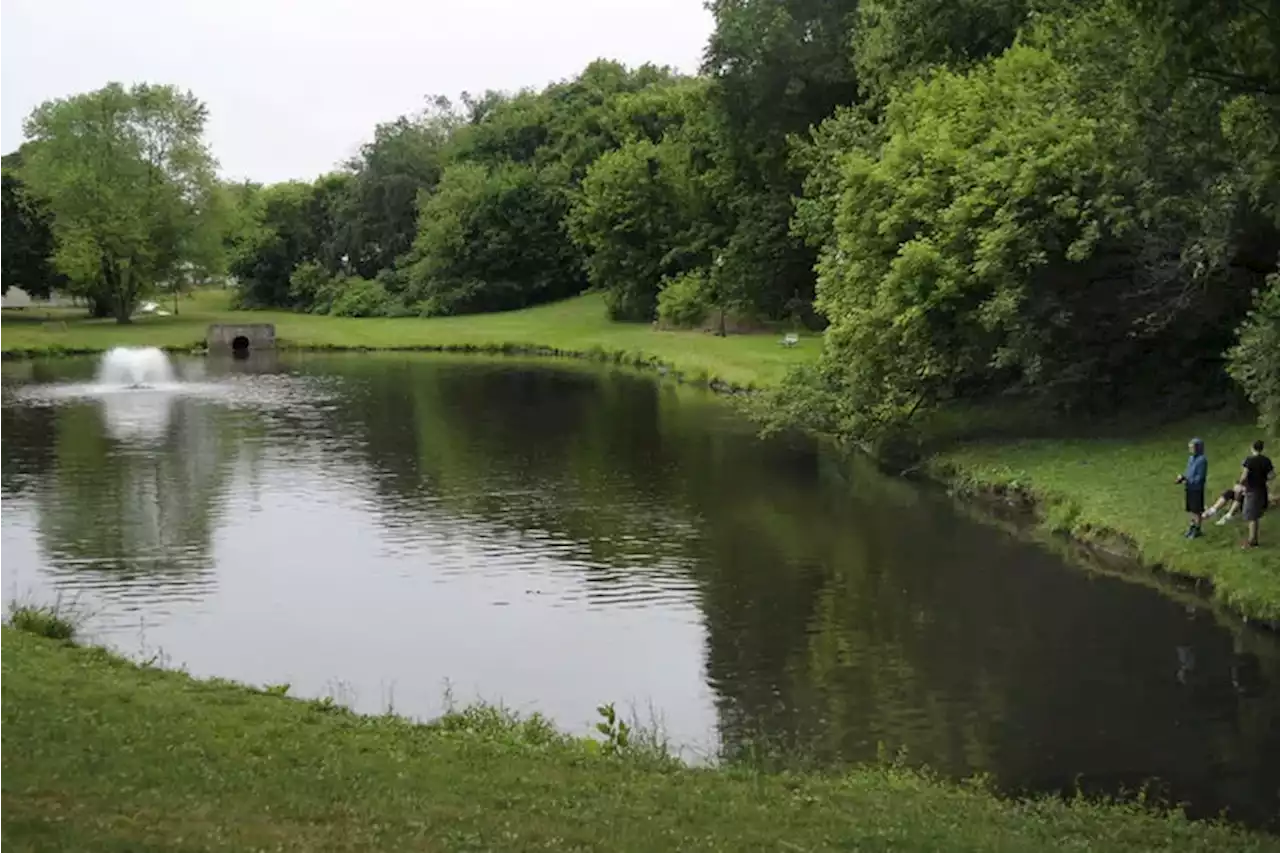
[395, 530]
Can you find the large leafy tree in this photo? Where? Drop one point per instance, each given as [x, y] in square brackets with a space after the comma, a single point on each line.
[493, 233]
[27, 228]
[491, 239]
[896, 41]
[130, 184]
[380, 213]
[1232, 49]
[1069, 220]
[292, 223]
[646, 213]
[777, 67]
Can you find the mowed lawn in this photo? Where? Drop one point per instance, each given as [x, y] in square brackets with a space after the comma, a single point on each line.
[1126, 485]
[578, 326]
[102, 755]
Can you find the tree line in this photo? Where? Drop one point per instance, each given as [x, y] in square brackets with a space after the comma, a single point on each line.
[1076, 202]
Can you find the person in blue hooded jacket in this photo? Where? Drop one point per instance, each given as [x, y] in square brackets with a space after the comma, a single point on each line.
[1194, 479]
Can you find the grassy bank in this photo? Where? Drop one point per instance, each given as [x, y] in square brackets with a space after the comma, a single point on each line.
[102, 755]
[1120, 492]
[575, 326]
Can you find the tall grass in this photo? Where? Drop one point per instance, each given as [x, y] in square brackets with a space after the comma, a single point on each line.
[101, 754]
[54, 621]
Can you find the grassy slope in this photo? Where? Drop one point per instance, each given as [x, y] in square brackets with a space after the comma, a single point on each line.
[102, 755]
[575, 325]
[1127, 486]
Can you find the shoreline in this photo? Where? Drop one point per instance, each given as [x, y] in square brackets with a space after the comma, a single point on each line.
[979, 480]
[1115, 823]
[1034, 481]
[1114, 553]
[104, 750]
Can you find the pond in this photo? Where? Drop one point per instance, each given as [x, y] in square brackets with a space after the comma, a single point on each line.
[403, 531]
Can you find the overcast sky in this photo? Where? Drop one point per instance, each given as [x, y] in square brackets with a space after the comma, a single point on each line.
[294, 87]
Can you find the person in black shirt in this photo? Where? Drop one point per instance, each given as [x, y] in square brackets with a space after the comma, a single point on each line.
[1254, 476]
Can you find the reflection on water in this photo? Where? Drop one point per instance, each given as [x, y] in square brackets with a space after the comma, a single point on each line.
[140, 416]
[381, 526]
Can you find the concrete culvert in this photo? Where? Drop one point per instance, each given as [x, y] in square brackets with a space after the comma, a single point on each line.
[240, 338]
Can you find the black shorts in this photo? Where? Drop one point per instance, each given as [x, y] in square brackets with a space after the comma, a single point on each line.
[1195, 500]
[1255, 504]
[1229, 496]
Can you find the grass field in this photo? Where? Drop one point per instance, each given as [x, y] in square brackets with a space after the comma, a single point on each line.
[99, 754]
[1096, 488]
[575, 326]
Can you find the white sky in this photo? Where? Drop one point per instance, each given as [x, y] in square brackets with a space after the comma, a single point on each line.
[294, 87]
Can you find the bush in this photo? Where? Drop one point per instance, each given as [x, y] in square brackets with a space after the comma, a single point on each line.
[311, 288]
[1254, 361]
[490, 239]
[684, 301]
[43, 620]
[360, 297]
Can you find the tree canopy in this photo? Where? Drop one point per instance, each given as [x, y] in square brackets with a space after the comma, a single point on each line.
[129, 181]
[1075, 203]
[27, 227]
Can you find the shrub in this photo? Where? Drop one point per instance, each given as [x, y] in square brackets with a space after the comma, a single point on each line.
[360, 297]
[43, 620]
[311, 288]
[684, 300]
[490, 239]
[1254, 361]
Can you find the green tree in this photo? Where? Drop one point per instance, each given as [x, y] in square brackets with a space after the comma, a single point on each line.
[1255, 359]
[896, 41]
[129, 181]
[491, 239]
[777, 67]
[27, 230]
[405, 158]
[641, 217]
[293, 223]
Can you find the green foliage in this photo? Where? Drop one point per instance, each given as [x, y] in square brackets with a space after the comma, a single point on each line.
[1254, 361]
[685, 300]
[498, 725]
[312, 285]
[1067, 202]
[617, 734]
[360, 297]
[27, 228]
[130, 184]
[43, 620]
[638, 219]
[1037, 224]
[380, 212]
[777, 68]
[938, 233]
[897, 41]
[292, 223]
[490, 239]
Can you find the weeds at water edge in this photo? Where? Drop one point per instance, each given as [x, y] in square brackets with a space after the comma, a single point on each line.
[55, 621]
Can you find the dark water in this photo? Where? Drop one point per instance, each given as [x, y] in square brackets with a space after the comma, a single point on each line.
[392, 530]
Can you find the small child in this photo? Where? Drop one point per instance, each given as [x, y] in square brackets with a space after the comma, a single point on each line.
[1233, 499]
